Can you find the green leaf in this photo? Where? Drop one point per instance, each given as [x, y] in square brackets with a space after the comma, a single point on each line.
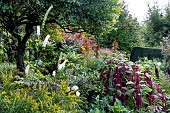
[128, 92]
[147, 89]
[119, 92]
[118, 102]
[129, 83]
[97, 110]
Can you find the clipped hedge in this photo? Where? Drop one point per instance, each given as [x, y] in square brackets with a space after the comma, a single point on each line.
[141, 52]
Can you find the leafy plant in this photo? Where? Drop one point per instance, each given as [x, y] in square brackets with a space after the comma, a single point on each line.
[18, 97]
[125, 32]
[135, 88]
[89, 17]
[156, 25]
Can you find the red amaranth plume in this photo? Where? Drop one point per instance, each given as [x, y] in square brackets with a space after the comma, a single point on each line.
[156, 71]
[168, 71]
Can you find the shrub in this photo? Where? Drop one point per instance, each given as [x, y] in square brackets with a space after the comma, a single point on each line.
[17, 97]
[141, 52]
[134, 88]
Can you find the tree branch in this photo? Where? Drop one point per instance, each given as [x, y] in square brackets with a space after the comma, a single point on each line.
[16, 36]
[28, 31]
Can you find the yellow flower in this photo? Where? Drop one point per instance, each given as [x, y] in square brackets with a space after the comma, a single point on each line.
[105, 53]
[3, 92]
[12, 83]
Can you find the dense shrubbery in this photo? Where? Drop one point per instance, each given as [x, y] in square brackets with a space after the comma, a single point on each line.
[106, 82]
[125, 32]
[17, 96]
[72, 73]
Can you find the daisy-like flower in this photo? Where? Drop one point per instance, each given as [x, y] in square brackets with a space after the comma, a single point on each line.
[75, 87]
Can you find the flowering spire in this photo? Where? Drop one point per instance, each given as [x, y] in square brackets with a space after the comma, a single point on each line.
[156, 72]
[46, 40]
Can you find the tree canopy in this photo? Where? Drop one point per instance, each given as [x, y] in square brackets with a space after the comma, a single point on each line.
[125, 33]
[71, 15]
[156, 26]
[90, 16]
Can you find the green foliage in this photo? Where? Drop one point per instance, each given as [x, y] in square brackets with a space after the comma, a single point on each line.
[54, 31]
[102, 106]
[45, 59]
[91, 16]
[136, 88]
[20, 18]
[16, 97]
[7, 67]
[166, 51]
[156, 26]
[125, 33]
[148, 52]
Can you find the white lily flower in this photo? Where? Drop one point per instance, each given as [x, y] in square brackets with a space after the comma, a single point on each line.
[27, 69]
[75, 87]
[77, 93]
[46, 40]
[38, 30]
[62, 65]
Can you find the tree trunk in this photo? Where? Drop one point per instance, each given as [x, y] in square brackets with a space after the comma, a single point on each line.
[21, 49]
[20, 61]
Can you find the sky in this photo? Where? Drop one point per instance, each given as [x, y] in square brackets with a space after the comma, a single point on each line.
[138, 8]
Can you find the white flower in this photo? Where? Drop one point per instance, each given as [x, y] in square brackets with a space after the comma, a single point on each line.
[146, 58]
[146, 65]
[68, 89]
[54, 73]
[27, 53]
[75, 87]
[38, 30]
[39, 62]
[159, 63]
[27, 69]
[60, 66]
[45, 40]
[77, 93]
[75, 77]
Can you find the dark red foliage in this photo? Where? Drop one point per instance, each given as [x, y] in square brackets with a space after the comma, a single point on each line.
[135, 68]
[168, 71]
[161, 97]
[156, 72]
[120, 74]
[149, 95]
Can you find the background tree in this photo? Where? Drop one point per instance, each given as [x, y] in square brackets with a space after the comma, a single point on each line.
[73, 16]
[156, 26]
[126, 31]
